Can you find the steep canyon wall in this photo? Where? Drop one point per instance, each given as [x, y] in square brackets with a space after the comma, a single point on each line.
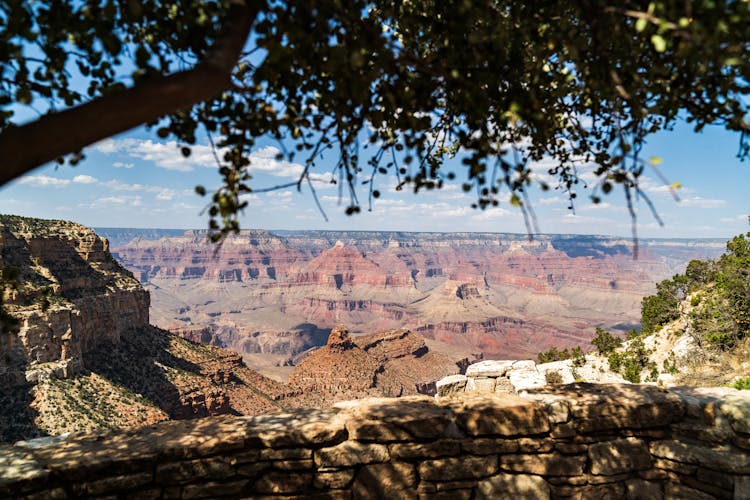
[67, 293]
[500, 295]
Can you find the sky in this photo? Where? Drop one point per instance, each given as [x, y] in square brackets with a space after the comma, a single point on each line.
[138, 180]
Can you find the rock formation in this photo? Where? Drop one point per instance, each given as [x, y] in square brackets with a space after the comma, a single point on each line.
[77, 352]
[392, 364]
[68, 294]
[496, 294]
[83, 356]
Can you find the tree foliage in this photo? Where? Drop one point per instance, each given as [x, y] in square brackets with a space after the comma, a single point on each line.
[719, 313]
[660, 309]
[605, 342]
[632, 361]
[381, 87]
[553, 354]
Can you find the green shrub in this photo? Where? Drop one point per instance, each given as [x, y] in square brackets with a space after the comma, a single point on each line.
[742, 384]
[632, 361]
[578, 357]
[553, 354]
[605, 342]
[615, 361]
[553, 377]
[658, 310]
[632, 334]
[631, 371]
[670, 364]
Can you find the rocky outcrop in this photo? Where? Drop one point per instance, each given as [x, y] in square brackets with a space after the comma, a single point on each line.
[201, 334]
[390, 363]
[254, 255]
[339, 341]
[82, 356]
[579, 440]
[342, 265]
[498, 294]
[518, 376]
[68, 294]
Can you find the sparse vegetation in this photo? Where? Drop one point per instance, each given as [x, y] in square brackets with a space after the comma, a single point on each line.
[578, 357]
[670, 364]
[553, 377]
[720, 301]
[631, 362]
[553, 354]
[605, 342]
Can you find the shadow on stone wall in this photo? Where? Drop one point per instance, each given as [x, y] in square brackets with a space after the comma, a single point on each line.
[579, 440]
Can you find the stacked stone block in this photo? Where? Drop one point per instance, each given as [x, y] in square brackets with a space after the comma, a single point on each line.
[572, 441]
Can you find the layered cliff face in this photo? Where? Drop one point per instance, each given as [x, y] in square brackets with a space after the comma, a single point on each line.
[67, 292]
[497, 294]
[77, 352]
[82, 356]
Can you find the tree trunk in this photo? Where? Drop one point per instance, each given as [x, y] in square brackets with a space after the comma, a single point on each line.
[54, 135]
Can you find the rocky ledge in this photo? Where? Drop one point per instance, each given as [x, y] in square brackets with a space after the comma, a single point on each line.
[67, 294]
[516, 376]
[576, 440]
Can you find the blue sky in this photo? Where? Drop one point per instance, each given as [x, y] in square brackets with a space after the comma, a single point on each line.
[137, 180]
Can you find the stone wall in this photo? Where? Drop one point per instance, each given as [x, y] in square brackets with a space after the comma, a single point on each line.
[576, 440]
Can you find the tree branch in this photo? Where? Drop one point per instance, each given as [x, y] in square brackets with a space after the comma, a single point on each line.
[54, 135]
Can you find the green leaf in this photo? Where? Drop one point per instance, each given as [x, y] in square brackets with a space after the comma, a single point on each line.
[640, 25]
[660, 44]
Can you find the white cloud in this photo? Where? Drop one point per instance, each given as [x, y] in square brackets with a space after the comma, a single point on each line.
[550, 201]
[741, 218]
[580, 219]
[168, 156]
[492, 213]
[121, 186]
[110, 146]
[253, 200]
[697, 201]
[162, 193]
[43, 181]
[280, 194]
[114, 201]
[602, 206]
[184, 206]
[164, 155]
[165, 194]
[84, 179]
[264, 160]
[652, 186]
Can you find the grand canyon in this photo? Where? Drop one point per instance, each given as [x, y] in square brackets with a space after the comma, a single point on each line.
[81, 357]
[274, 296]
[79, 352]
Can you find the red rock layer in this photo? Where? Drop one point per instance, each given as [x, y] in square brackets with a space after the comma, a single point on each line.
[555, 287]
[389, 364]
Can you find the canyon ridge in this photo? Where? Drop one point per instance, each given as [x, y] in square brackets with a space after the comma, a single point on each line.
[78, 353]
[275, 295]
